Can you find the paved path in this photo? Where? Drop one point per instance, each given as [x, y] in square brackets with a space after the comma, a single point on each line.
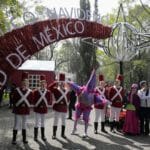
[74, 142]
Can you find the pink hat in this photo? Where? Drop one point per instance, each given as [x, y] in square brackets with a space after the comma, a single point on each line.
[134, 85]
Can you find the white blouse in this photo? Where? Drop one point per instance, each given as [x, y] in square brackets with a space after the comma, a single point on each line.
[144, 100]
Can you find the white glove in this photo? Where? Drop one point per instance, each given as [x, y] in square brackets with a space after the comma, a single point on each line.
[109, 102]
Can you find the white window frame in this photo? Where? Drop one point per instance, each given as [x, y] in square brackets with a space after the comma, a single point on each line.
[34, 81]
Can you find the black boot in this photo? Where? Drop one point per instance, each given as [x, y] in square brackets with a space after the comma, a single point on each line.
[54, 132]
[35, 134]
[95, 127]
[112, 125]
[146, 126]
[63, 132]
[24, 136]
[103, 127]
[14, 137]
[43, 134]
[118, 128]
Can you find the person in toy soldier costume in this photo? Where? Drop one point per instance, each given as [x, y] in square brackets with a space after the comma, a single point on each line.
[22, 99]
[100, 109]
[42, 99]
[144, 94]
[115, 95]
[60, 104]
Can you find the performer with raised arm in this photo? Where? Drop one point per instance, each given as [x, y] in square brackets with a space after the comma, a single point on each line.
[100, 109]
[60, 104]
[42, 99]
[86, 97]
[22, 99]
[115, 95]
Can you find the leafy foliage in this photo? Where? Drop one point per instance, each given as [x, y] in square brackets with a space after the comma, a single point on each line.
[8, 8]
[107, 65]
[87, 52]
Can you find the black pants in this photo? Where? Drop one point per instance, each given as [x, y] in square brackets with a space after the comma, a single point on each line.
[1, 95]
[10, 102]
[71, 107]
[144, 120]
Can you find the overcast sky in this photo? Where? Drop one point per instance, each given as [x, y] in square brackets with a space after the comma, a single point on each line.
[104, 6]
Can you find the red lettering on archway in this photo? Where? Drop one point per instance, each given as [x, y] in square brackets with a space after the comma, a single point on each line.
[18, 45]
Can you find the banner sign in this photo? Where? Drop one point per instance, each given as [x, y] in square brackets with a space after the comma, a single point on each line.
[20, 44]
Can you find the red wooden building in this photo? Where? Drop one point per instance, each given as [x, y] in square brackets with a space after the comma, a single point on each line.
[35, 68]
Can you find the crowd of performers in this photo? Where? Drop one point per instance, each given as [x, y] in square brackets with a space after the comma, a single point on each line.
[63, 95]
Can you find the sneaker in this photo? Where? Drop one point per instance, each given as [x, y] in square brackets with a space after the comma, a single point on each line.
[84, 136]
[74, 131]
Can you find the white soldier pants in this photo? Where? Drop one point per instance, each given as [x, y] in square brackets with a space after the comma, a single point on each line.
[20, 122]
[114, 113]
[100, 113]
[39, 120]
[58, 115]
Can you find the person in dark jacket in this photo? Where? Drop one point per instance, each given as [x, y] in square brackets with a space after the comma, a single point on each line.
[71, 106]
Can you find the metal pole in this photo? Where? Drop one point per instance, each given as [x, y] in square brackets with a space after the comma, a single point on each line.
[121, 71]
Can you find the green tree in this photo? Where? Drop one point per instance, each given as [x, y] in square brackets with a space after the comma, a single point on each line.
[139, 17]
[134, 70]
[107, 66]
[67, 58]
[87, 52]
[8, 9]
